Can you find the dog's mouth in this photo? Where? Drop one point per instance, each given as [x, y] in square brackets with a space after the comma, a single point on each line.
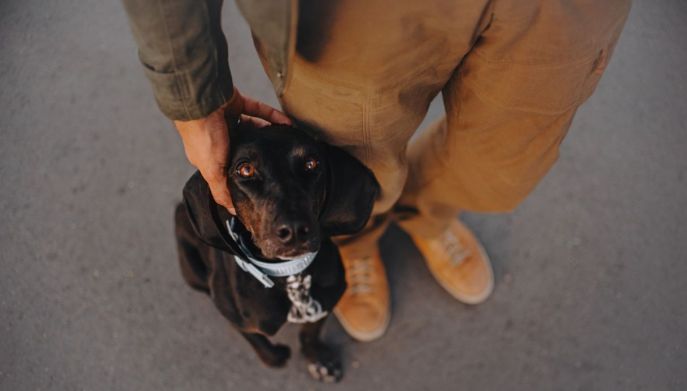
[306, 257]
[270, 248]
[298, 253]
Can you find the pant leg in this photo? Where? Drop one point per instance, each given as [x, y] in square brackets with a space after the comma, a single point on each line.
[367, 80]
[508, 107]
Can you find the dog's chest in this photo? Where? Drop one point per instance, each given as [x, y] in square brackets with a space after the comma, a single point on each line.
[304, 297]
[266, 309]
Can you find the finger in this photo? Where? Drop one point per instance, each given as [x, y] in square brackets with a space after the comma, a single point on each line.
[255, 121]
[220, 192]
[258, 109]
[222, 197]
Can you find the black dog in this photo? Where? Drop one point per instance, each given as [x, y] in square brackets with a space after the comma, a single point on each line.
[275, 261]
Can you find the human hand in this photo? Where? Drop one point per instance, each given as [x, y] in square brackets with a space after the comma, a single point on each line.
[206, 140]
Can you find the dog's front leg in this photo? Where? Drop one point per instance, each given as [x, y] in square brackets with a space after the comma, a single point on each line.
[272, 355]
[323, 362]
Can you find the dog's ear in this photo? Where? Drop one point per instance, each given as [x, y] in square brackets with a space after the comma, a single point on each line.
[205, 214]
[350, 194]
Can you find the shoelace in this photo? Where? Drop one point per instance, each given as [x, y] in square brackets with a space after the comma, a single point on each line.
[457, 253]
[359, 275]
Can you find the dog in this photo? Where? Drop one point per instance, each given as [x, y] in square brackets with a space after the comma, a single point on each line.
[274, 262]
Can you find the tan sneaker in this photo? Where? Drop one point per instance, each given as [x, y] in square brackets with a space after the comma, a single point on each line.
[459, 263]
[364, 310]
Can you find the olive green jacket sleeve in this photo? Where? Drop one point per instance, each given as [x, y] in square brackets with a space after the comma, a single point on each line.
[184, 54]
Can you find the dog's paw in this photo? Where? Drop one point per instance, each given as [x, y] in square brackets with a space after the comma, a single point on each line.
[277, 356]
[326, 372]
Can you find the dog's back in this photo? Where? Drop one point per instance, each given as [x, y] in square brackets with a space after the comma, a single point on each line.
[192, 252]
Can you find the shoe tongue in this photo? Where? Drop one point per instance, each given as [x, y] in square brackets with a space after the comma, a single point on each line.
[455, 249]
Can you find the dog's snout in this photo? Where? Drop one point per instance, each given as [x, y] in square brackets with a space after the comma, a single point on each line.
[294, 232]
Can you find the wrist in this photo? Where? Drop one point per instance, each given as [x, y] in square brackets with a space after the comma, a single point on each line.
[230, 110]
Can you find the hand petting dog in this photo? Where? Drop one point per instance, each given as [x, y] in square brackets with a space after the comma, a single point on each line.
[206, 140]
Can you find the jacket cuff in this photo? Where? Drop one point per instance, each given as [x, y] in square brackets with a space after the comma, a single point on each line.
[183, 96]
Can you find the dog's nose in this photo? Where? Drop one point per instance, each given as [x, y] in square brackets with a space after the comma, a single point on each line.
[294, 232]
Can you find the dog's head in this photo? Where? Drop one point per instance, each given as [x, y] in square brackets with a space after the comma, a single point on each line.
[288, 190]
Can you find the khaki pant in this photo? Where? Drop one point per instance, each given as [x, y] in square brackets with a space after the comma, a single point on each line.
[512, 74]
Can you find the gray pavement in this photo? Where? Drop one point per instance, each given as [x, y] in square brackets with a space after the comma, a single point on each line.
[591, 269]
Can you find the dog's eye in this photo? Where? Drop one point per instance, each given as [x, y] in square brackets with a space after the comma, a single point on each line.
[245, 170]
[311, 164]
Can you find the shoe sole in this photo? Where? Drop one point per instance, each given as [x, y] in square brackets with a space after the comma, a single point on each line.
[361, 335]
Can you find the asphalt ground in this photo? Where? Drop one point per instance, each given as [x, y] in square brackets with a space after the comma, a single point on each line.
[591, 269]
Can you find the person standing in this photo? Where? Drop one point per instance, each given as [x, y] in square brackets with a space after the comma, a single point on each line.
[363, 73]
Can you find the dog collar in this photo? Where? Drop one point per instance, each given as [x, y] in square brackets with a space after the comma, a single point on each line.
[262, 271]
